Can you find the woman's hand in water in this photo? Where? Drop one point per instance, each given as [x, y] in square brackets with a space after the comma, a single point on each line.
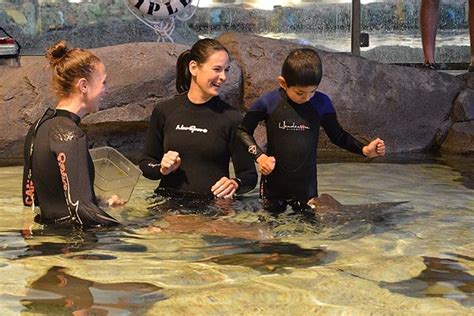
[225, 188]
[170, 162]
[266, 164]
[115, 201]
[375, 148]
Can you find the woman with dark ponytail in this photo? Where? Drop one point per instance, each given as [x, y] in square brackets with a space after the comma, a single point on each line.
[190, 139]
[59, 174]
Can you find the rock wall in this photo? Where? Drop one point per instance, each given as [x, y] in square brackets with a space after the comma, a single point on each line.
[412, 109]
[460, 137]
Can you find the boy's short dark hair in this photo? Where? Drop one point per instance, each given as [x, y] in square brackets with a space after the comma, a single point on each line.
[302, 67]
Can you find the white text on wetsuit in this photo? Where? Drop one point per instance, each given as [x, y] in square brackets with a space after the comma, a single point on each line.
[292, 127]
[191, 128]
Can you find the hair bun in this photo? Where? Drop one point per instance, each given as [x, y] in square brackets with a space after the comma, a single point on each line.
[56, 52]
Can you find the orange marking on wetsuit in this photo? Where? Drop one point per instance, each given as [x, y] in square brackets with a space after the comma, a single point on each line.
[29, 192]
[62, 169]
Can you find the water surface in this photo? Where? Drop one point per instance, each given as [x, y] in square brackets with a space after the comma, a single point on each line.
[403, 243]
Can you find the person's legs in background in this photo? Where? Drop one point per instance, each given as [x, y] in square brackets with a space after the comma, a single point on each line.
[471, 32]
[429, 13]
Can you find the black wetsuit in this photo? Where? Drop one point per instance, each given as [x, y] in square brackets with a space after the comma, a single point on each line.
[203, 135]
[292, 136]
[59, 174]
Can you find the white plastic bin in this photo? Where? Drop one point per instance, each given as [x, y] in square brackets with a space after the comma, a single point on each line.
[114, 174]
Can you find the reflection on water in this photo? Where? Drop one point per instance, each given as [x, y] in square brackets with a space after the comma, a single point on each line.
[51, 242]
[67, 243]
[58, 292]
[465, 166]
[397, 239]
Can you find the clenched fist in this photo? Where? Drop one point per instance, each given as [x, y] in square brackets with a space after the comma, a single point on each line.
[266, 164]
[170, 162]
[375, 148]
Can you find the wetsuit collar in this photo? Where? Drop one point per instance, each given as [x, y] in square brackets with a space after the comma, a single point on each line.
[287, 98]
[212, 103]
[65, 113]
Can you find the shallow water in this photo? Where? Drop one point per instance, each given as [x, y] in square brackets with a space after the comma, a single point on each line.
[402, 243]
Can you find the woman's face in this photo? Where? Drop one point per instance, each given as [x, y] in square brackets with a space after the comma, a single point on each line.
[209, 76]
[96, 88]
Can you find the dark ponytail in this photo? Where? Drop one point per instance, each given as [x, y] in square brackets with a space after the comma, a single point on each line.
[183, 76]
[200, 52]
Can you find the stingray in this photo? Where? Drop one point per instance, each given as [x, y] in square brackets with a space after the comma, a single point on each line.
[210, 227]
[268, 257]
[211, 217]
[58, 292]
[332, 213]
[326, 217]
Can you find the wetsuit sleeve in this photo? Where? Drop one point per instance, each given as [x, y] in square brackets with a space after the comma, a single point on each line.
[30, 197]
[28, 188]
[71, 151]
[244, 166]
[153, 150]
[256, 114]
[339, 136]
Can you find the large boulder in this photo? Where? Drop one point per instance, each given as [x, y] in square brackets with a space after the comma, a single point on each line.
[463, 109]
[408, 107]
[460, 139]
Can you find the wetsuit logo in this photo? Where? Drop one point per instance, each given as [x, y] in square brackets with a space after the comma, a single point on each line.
[153, 165]
[72, 206]
[191, 129]
[293, 126]
[253, 149]
[62, 169]
[29, 192]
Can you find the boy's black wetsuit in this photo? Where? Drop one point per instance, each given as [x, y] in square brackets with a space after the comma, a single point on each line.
[203, 135]
[59, 174]
[292, 138]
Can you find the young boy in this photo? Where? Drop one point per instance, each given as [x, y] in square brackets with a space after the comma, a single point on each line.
[293, 115]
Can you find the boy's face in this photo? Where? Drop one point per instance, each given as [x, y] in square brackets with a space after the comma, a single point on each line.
[298, 94]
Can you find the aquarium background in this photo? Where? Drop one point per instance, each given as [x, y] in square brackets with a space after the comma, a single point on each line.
[392, 25]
